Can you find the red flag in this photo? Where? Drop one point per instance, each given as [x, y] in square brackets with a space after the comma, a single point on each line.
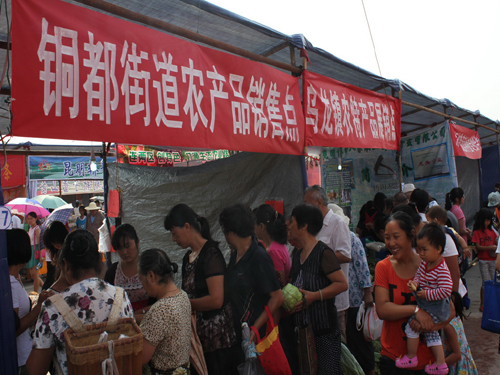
[466, 141]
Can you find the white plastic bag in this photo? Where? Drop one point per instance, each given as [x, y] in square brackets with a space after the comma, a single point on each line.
[368, 321]
[104, 238]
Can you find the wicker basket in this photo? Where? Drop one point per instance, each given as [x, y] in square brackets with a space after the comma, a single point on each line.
[85, 356]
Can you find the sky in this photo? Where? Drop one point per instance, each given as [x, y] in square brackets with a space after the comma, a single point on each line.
[444, 49]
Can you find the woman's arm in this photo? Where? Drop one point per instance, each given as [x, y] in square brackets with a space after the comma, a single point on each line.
[462, 230]
[338, 285]
[387, 310]
[452, 338]
[215, 297]
[147, 351]
[27, 320]
[274, 304]
[39, 361]
[497, 263]
[485, 248]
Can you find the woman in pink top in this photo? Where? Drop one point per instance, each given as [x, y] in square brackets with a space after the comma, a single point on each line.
[270, 228]
[454, 199]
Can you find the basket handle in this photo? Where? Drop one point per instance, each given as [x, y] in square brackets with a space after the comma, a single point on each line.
[68, 314]
[114, 315]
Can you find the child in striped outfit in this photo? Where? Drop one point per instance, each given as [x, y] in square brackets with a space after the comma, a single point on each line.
[432, 286]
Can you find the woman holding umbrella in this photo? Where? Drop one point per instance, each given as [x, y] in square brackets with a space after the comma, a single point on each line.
[34, 232]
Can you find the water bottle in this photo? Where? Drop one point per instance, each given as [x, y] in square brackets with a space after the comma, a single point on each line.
[39, 265]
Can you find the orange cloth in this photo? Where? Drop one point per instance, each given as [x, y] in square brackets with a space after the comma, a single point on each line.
[393, 338]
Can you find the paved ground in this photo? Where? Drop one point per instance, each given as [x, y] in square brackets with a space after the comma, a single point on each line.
[483, 344]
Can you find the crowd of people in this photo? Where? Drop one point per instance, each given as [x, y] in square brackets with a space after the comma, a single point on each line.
[417, 287]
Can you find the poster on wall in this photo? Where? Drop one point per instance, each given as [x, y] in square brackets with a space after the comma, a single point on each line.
[431, 161]
[339, 183]
[365, 172]
[428, 162]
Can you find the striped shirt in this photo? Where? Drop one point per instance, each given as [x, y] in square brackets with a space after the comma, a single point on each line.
[436, 282]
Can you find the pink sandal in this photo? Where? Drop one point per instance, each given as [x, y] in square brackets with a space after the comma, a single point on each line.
[434, 369]
[405, 362]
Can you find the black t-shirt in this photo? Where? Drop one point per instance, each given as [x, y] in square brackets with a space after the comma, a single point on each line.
[247, 285]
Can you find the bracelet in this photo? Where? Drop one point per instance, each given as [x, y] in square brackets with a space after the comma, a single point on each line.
[321, 295]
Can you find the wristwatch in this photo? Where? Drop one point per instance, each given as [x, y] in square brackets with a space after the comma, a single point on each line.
[416, 310]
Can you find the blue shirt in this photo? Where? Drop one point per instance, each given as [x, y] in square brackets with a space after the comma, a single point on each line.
[359, 273]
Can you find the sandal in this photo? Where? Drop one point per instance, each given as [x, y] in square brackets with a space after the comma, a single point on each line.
[434, 369]
[405, 362]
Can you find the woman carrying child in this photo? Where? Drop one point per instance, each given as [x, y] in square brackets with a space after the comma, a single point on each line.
[393, 299]
[485, 239]
[433, 286]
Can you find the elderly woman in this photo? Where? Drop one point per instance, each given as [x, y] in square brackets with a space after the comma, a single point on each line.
[250, 282]
[167, 324]
[124, 273]
[393, 299]
[316, 272]
[89, 297]
[203, 269]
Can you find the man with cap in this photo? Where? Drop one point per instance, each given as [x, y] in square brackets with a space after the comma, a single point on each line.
[95, 218]
[494, 201]
[408, 189]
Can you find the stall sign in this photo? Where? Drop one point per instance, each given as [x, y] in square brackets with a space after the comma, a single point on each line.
[69, 187]
[338, 114]
[80, 74]
[64, 168]
[160, 158]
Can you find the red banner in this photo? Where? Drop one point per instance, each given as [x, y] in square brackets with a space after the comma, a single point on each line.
[341, 115]
[14, 171]
[466, 141]
[80, 74]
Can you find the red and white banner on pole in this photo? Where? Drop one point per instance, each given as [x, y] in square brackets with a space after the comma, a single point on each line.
[466, 142]
[341, 115]
[80, 74]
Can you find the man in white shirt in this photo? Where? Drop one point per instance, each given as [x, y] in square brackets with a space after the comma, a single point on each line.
[336, 235]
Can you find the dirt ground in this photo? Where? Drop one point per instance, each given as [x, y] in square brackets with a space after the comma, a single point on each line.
[483, 344]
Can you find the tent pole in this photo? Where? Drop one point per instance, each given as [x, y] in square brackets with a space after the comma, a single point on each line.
[172, 29]
[458, 119]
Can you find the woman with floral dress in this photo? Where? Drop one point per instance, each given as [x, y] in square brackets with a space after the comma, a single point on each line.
[203, 280]
[88, 296]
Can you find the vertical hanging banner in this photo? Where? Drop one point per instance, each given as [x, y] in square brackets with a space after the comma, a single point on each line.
[80, 74]
[342, 115]
[13, 172]
[465, 141]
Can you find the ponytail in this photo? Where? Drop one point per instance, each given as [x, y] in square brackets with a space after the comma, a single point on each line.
[158, 262]
[448, 202]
